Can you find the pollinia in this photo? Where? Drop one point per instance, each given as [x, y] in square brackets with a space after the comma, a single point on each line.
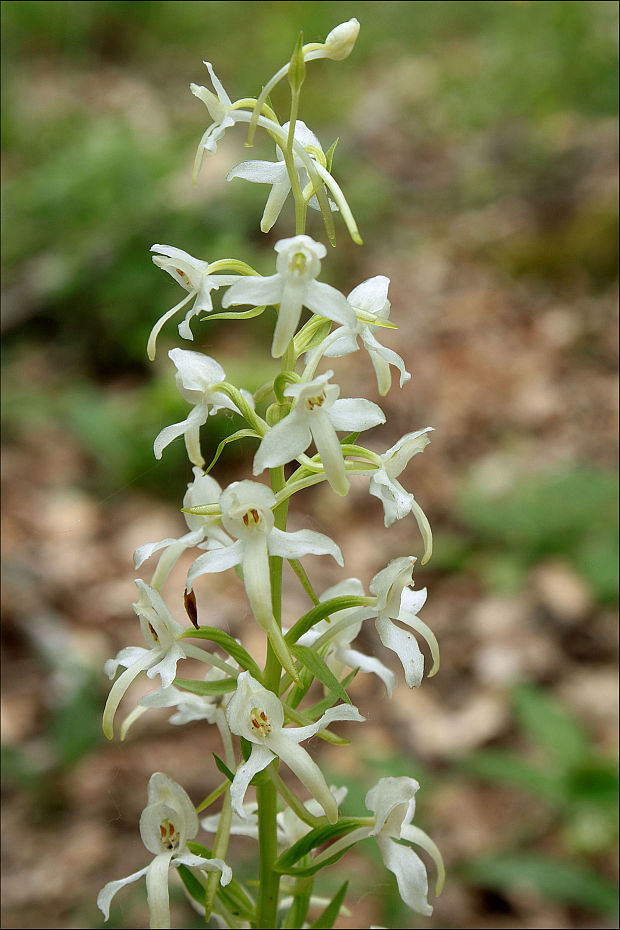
[305, 434]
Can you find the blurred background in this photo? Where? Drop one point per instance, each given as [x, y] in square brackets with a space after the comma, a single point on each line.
[478, 150]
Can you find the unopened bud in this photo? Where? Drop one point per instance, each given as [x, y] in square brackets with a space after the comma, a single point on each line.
[297, 66]
[340, 41]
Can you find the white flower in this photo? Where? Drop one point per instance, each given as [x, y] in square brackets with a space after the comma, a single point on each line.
[397, 502]
[396, 601]
[370, 302]
[258, 715]
[340, 633]
[203, 490]
[275, 174]
[247, 515]
[392, 800]
[289, 826]
[161, 633]
[193, 275]
[219, 110]
[340, 41]
[293, 287]
[197, 377]
[317, 414]
[167, 823]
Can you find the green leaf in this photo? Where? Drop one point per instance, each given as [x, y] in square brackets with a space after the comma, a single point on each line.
[237, 901]
[327, 918]
[232, 315]
[311, 334]
[318, 709]
[317, 837]
[510, 768]
[223, 768]
[323, 610]
[194, 887]
[232, 647]
[207, 688]
[329, 154]
[549, 724]
[313, 661]
[560, 881]
[239, 434]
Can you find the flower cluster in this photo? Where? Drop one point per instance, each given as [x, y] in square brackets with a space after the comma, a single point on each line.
[305, 433]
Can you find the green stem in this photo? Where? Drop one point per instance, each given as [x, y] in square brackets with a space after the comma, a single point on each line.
[266, 794]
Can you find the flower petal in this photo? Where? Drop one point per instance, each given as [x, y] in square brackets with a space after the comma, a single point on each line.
[303, 542]
[406, 648]
[328, 302]
[157, 891]
[216, 560]
[260, 758]
[196, 418]
[355, 413]
[410, 874]
[282, 443]
[306, 770]
[254, 290]
[104, 898]
[355, 659]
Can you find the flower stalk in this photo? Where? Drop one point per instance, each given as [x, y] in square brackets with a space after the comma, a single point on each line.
[305, 434]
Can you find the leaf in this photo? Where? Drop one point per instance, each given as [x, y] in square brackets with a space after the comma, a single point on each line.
[510, 768]
[239, 434]
[318, 709]
[230, 644]
[322, 610]
[313, 661]
[223, 768]
[207, 688]
[232, 315]
[550, 725]
[194, 887]
[325, 921]
[317, 837]
[560, 881]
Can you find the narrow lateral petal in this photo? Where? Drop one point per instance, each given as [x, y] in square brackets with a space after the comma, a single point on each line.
[406, 648]
[255, 291]
[306, 770]
[216, 560]
[104, 898]
[410, 874]
[303, 542]
[260, 758]
[355, 413]
[282, 443]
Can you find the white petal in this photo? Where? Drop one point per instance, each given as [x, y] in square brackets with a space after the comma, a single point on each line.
[104, 898]
[329, 449]
[303, 542]
[397, 502]
[307, 771]
[387, 355]
[332, 714]
[370, 295]
[275, 202]
[329, 302]
[197, 417]
[289, 312]
[216, 560]
[345, 345]
[127, 656]
[207, 865]
[157, 892]
[410, 874]
[255, 291]
[166, 668]
[392, 800]
[145, 552]
[257, 579]
[260, 172]
[282, 443]
[197, 371]
[355, 659]
[355, 413]
[406, 648]
[121, 685]
[260, 758]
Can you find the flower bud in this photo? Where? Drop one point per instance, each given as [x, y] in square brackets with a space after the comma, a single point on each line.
[297, 66]
[340, 41]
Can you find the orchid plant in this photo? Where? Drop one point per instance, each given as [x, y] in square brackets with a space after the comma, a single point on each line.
[305, 434]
